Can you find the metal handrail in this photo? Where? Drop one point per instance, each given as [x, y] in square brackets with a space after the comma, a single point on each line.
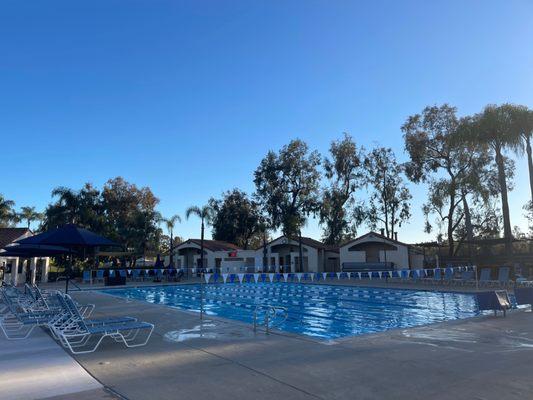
[270, 314]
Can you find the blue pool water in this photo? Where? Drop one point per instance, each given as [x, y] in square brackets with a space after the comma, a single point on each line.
[320, 311]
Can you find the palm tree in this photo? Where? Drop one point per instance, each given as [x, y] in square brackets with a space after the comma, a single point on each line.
[205, 214]
[69, 202]
[495, 127]
[29, 214]
[523, 117]
[171, 223]
[6, 211]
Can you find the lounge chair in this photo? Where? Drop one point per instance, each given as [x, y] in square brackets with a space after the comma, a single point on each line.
[19, 322]
[79, 334]
[524, 296]
[497, 300]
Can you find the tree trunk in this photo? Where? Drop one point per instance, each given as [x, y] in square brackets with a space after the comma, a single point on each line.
[451, 210]
[171, 260]
[300, 251]
[265, 259]
[202, 246]
[502, 180]
[530, 165]
[468, 223]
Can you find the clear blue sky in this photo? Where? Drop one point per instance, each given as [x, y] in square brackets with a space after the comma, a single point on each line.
[187, 96]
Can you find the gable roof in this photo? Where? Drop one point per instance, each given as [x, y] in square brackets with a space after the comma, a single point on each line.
[379, 236]
[213, 245]
[310, 242]
[9, 235]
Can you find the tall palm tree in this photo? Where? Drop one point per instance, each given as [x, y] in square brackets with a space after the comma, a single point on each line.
[523, 117]
[29, 214]
[495, 127]
[6, 211]
[171, 223]
[205, 214]
[69, 202]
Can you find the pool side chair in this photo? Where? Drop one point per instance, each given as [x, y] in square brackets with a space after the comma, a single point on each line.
[87, 277]
[82, 337]
[19, 323]
[503, 276]
[437, 276]
[496, 300]
[449, 274]
[100, 275]
[136, 275]
[485, 278]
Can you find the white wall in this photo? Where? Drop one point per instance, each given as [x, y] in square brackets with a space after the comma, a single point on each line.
[399, 257]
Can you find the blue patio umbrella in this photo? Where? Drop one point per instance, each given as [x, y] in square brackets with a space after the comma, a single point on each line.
[33, 250]
[68, 236]
[71, 237]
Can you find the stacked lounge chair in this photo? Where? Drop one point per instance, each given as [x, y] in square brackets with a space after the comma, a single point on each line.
[68, 322]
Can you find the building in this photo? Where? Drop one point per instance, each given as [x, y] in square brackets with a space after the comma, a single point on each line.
[373, 248]
[18, 270]
[281, 254]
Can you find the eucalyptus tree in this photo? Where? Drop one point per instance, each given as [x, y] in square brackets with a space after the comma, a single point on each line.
[495, 128]
[236, 219]
[287, 187]
[29, 214]
[205, 213]
[454, 169]
[6, 211]
[171, 224]
[340, 213]
[389, 196]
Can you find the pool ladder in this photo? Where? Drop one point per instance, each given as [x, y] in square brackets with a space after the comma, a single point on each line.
[270, 313]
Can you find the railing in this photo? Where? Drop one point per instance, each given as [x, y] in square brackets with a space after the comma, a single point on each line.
[270, 313]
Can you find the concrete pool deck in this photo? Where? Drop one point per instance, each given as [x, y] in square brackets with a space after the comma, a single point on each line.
[37, 368]
[478, 358]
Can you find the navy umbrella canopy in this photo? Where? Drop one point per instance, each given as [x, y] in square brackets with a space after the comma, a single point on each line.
[33, 250]
[68, 236]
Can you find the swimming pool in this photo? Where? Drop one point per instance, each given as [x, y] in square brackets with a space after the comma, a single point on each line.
[320, 311]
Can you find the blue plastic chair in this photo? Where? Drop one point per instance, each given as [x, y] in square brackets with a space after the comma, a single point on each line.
[87, 277]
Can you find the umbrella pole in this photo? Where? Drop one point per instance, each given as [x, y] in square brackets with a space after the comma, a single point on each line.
[69, 269]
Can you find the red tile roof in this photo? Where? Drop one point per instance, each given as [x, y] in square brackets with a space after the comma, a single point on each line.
[9, 235]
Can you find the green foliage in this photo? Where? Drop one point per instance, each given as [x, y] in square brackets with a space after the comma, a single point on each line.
[121, 211]
[237, 219]
[7, 212]
[389, 197]
[458, 172]
[496, 127]
[287, 186]
[29, 214]
[340, 213]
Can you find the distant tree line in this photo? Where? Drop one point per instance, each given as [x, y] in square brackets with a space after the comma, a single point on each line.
[465, 162]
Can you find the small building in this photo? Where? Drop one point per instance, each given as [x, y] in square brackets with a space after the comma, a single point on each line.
[373, 248]
[282, 254]
[18, 270]
[216, 254]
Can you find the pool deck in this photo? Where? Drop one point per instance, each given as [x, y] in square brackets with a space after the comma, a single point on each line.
[479, 358]
[37, 368]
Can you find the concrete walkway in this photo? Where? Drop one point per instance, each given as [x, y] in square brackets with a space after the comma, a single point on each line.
[482, 358]
[38, 368]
